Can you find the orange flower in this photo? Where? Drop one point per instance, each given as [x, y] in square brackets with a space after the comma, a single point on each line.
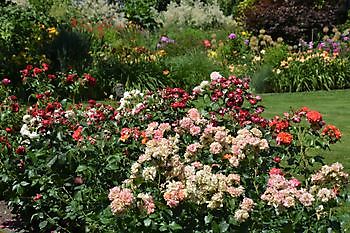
[144, 140]
[284, 138]
[227, 156]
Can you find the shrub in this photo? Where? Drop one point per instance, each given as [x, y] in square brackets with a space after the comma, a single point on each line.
[295, 19]
[173, 161]
[193, 13]
[24, 38]
[141, 12]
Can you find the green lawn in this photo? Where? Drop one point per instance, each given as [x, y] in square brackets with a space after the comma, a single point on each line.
[335, 108]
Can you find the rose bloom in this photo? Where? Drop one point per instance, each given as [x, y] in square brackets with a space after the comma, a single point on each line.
[275, 171]
[284, 138]
[194, 114]
[332, 132]
[215, 148]
[313, 117]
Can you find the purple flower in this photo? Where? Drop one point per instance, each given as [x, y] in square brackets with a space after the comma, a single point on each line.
[232, 36]
[164, 39]
[346, 38]
[6, 81]
[246, 42]
[311, 45]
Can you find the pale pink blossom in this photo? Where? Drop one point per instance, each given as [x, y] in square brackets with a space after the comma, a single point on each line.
[215, 75]
[195, 130]
[121, 199]
[175, 192]
[192, 148]
[194, 114]
[220, 136]
[215, 148]
[247, 204]
[186, 123]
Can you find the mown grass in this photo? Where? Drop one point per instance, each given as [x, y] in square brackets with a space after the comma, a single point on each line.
[335, 108]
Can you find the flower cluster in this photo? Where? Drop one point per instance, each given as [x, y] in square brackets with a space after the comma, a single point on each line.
[283, 193]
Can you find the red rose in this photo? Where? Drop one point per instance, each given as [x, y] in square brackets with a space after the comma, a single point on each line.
[206, 43]
[275, 171]
[277, 159]
[45, 66]
[70, 78]
[37, 197]
[78, 180]
[6, 81]
[77, 134]
[21, 150]
[15, 107]
[90, 80]
[332, 131]
[37, 71]
[313, 117]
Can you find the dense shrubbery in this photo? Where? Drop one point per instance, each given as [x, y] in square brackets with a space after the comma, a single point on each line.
[295, 19]
[169, 154]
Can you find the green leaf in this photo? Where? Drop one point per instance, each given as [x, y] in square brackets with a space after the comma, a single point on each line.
[24, 183]
[42, 224]
[163, 228]
[147, 222]
[174, 226]
[208, 218]
[224, 226]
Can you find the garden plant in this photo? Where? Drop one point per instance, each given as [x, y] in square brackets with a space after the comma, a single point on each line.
[148, 116]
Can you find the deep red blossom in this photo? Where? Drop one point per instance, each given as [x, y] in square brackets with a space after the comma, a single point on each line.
[277, 159]
[15, 107]
[13, 98]
[21, 150]
[8, 130]
[90, 80]
[71, 78]
[37, 71]
[92, 103]
[51, 76]
[39, 96]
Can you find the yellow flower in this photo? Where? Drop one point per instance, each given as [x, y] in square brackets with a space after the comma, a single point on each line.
[52, 31]
[212, 54]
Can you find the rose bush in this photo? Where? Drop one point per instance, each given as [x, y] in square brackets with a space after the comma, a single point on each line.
[205, 161]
